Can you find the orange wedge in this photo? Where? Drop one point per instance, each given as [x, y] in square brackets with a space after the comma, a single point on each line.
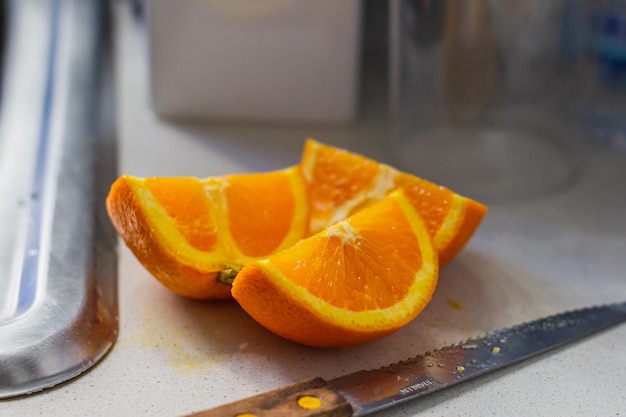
[358, 280]
[342, 182]
[195, 234]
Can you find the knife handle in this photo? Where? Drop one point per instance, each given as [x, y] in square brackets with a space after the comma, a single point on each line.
[309, 398]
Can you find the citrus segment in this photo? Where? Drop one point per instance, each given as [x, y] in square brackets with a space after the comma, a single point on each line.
[358, 280]
[340, 182]
[458, 227]
[262, 218]
[139, 220]
[451, 218]
[185, 202]
[432, 201]
[188, 231]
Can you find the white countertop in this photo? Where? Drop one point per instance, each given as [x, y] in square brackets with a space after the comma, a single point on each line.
[528, 259]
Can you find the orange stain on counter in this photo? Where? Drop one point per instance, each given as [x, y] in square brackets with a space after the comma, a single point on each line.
[184, 348]
[454, 304]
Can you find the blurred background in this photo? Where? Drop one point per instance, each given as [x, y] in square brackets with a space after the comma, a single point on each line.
[492, 98]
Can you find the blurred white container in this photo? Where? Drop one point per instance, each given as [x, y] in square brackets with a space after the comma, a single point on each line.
[268, 61]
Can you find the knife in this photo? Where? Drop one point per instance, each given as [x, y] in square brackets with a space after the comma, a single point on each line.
[366, 392]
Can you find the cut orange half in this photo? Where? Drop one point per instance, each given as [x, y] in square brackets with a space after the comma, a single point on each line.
[342, 182]
[358, 280]
[195, 234]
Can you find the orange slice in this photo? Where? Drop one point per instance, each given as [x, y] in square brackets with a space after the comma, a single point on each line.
[195, 234]
[358, 280]
[342, 182]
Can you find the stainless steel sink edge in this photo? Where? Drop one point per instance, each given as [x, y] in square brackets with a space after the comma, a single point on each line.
[65, 318]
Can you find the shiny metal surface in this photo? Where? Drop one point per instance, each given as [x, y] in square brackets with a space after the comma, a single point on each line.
[58, 294]
[371, 391]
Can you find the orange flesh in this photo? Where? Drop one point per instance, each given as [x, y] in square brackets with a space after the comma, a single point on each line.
[356, 281]
[431, 201]
[186, 203]
[260, 208]
[450, 219]
[336, 180]
[363, 262]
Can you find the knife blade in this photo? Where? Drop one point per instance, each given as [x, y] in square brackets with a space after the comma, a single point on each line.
[369, 391]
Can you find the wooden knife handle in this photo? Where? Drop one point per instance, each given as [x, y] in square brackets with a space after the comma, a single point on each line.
[309, 398]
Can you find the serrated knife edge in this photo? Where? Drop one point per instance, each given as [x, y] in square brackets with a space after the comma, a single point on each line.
[368, 391]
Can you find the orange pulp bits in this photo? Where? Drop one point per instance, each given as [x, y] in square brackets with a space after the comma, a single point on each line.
[195, 234]
[341, 182]
[358, 280]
